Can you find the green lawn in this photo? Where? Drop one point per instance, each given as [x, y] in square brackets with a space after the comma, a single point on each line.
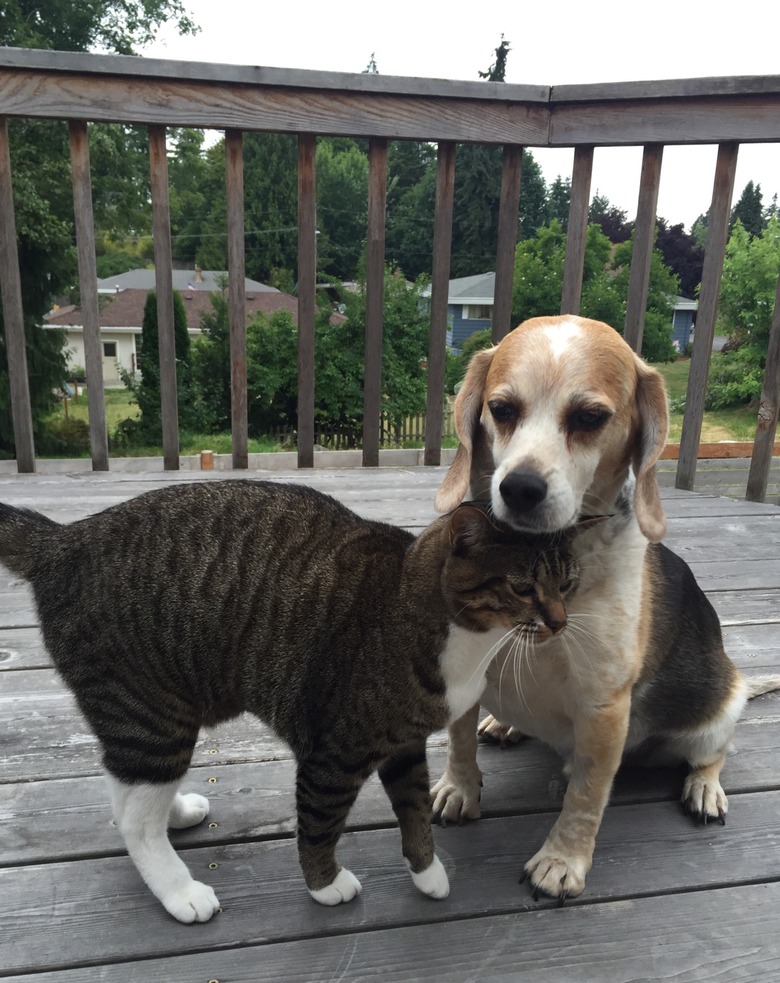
[731, 424]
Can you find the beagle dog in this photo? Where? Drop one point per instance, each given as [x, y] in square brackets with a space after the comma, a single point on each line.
[559, 422]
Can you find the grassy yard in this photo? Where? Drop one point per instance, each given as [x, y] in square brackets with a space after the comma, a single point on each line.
[734, 424]
[731, 424]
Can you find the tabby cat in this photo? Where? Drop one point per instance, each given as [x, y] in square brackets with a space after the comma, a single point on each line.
[350, 638]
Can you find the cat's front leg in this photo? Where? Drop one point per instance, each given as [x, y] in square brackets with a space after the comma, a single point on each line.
[325, 792]
[455, 797]
[405, 778]
[559, 868]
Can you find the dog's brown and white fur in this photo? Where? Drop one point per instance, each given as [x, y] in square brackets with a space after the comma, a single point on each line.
[562, 420]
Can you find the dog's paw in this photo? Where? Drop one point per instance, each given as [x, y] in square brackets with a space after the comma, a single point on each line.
[344, 887]
[704, 799]
[192, 902]
[497, 733]
[455, 799]
[433, 880]
[556, 876]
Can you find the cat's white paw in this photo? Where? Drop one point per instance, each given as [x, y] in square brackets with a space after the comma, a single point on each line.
[194, 902]
[188, 810]
[344, 887]
[432, 881]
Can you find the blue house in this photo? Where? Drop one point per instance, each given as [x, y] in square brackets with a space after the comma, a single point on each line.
[470, 309]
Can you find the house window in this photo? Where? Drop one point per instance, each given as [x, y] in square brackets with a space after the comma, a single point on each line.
[109, 349]
[478, 312]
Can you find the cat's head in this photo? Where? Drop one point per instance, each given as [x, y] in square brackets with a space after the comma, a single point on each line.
[495, 576]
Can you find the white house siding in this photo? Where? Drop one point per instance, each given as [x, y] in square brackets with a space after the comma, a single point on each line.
[126, 349]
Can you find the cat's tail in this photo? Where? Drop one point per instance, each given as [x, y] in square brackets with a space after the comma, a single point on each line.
[20, 537]
[758, 685]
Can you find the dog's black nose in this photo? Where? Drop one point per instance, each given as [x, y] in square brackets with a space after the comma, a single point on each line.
[522, 490]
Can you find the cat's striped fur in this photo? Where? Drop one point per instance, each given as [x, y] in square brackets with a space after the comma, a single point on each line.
[352, 639]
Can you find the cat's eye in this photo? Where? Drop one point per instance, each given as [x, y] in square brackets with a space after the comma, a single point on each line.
[521, 591]
[502, 412]
[566, 586]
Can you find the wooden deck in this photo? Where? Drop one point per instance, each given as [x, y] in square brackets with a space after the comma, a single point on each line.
[665, 900]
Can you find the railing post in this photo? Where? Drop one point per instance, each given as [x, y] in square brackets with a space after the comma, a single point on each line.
[766, 424]
[13, 316]
[576, 234]
[440, 280]
[234, 182]
[717, 237]
[644, 241]
[90, 311]
[375, 296]
[307, 286]
[163, 279]
[507, 240]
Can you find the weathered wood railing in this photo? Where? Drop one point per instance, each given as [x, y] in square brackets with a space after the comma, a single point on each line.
[158, 94]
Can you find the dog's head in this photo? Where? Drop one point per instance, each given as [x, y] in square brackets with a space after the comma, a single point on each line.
[549, 422]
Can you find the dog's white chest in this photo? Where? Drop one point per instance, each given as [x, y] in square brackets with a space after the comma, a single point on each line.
[463, 664]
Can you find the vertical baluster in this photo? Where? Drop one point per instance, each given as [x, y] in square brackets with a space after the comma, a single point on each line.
[375, 292]
[307, 285]
[507, 240]
[644, 241]
[574, 262]
[440, 281]
[234, 165]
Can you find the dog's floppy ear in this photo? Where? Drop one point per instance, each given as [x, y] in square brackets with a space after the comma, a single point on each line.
[649, 440]
[468, 408]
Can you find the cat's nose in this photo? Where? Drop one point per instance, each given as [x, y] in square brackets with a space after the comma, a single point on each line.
[521, 490]
[555, 617]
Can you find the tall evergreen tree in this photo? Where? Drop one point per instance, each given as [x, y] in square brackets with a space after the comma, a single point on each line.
[749, 210]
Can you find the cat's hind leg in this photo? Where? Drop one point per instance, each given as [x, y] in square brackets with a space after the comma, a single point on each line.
[405, 778]
[142, 812]
[188, 810]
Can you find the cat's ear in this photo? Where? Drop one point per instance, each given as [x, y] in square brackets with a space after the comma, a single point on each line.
[467, 527]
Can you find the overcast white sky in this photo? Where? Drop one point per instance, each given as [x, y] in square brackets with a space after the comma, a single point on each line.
[552, 43]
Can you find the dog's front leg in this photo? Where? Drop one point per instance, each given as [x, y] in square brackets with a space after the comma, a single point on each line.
[455, 797]
[559, 868]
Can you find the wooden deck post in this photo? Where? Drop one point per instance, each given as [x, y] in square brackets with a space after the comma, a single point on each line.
[574, 262]
[717, 237]
[163, 278]
[375, 298]
[13, 316]
[766, 424]
[644, 241]
[307, 285]
[440, 280]
[234, 179]
[90, 311]
[507, 240]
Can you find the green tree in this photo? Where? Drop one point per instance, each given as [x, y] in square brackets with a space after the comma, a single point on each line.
[270, 205]
[663, 288]
[342, 206]
[749, 210]
[148, 429]
[559, 200]
[747, 296]
[41, 173]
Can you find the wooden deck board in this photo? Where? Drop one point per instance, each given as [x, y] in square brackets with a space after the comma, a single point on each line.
[665, 899]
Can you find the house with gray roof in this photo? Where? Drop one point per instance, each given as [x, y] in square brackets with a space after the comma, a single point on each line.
[122, 303]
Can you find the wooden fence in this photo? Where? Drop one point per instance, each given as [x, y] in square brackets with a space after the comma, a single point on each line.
[158, 94]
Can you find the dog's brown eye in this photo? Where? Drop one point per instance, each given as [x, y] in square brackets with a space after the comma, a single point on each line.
[502, 412]
[587, 420]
